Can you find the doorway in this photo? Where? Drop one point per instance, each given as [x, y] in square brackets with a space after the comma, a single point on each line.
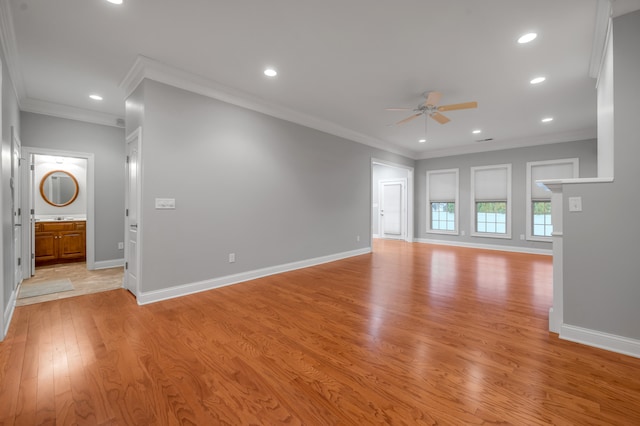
[58, 196]
[392, 200]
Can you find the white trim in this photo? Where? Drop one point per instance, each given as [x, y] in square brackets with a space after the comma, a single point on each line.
[8, 312]
[147, 68]
[375, 236]
[575, 162]
[513, 249]
[106, 264]
[474, 233]
[602, 340]
[548, 182]
[69, 112]
[196, 287]
[456, 231]
[600, 35]
[90, 230]
[10, 49]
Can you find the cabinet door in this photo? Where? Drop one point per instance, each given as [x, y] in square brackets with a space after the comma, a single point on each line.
[46, 246]
[71, 245]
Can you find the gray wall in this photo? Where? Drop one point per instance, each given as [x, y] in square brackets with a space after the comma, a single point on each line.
[10, 117]
[108, 146]
[381, 172]
[518, 157]
[269, 190]
[601, 267]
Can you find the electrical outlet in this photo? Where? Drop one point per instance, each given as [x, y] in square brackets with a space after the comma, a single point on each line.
[462, 233]
[357, 237]
[522, 236]
[120, 246]
[232, 257]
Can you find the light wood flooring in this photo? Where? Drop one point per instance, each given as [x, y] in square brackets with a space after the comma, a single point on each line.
[83, 280]
[410, 334]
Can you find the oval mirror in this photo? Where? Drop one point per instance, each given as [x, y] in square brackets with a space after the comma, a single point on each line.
[59, 188]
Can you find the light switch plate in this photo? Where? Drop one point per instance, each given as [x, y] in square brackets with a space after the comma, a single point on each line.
[165, 203]
[575, 204]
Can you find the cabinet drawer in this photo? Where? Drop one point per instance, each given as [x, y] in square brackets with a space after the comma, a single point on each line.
[57, 226]
[81, 225]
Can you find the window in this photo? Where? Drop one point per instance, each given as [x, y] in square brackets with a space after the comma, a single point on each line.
[491, 198]
[539, 223]
[442, 196]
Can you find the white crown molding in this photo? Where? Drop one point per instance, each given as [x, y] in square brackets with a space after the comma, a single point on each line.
[10, 50]
[570, 136]
[69, 112]
[601, 29]
[148, 68]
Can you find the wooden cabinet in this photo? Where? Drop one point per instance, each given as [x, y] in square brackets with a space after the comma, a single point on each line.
[60, 242]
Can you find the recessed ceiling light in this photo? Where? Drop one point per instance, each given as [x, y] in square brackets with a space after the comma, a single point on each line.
[538, 80]
[547, 119]
[527, 38]
[475, 132]
[422, 140]
[270, 72]
[115, 1]
[96, 97]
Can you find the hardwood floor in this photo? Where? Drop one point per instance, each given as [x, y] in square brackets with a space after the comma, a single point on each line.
[83, 280]
[411, 334]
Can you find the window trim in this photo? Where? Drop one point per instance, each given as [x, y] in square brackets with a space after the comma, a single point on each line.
[575, 162]
[474, 232]
[456, 201]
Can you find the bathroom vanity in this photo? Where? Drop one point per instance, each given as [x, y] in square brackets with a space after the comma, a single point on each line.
[60, 241]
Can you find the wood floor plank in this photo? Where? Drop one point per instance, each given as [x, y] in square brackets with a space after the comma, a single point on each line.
[411, 334]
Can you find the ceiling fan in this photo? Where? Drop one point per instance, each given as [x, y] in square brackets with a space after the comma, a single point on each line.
[430, 108]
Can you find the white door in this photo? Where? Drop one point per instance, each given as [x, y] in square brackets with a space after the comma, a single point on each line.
[132, 250]
[32, 215]
[16, 197]
[391, 211]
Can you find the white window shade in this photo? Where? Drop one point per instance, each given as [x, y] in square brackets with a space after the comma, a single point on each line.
[548, 171]
[491, 184]
[443, 186]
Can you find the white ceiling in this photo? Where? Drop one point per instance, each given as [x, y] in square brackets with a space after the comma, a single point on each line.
[342, 62]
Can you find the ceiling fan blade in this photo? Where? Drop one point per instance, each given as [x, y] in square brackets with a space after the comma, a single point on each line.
[398, 109]
[411, 117]
[433, 98]
[439, 118]
[453, 107]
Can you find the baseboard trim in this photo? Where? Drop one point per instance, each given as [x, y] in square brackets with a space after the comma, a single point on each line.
[106, 264]
[8, 313]
[601, 340]
[145, 298]
[526, 250]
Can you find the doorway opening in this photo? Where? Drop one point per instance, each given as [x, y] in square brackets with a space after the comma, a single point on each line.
[392, 200]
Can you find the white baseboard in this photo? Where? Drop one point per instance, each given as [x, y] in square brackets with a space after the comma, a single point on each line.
[486, 246]
[599, 339]
[185, 289]
[376, 236]
[8, 313]
[106, 264]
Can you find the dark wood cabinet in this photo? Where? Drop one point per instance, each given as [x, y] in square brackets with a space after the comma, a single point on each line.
[60, 242]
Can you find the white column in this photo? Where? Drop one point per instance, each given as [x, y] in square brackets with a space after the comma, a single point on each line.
[556, 312]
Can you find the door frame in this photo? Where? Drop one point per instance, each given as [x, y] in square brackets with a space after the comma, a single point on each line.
[403, 207]
[136, 134]
[409, 199]
[16, 207]
[27, 248]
